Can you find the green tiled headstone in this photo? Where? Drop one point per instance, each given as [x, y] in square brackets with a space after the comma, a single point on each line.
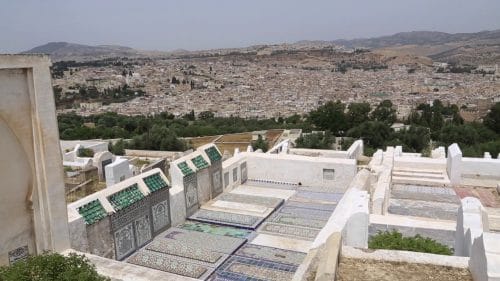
[155, 182]
[213, 154]
[199, 162]
[92, 212]
[126, 197]
[185, 168]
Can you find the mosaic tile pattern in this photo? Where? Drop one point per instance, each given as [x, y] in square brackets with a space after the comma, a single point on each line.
[270, 184]
[294, 220]
[310, 205]
[322, 196]
[240, 268]
[183, 249]
[306, 213]
[225, 218]
[125, 197]
[218, 243]
[92, 212]
[271, 254]
[289, 230]
[216, 229]
[166, 263]
[269, 202]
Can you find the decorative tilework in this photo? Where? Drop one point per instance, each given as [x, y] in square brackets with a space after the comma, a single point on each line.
[306, 213]
[199, 162]
[218, 243]
[213, 154]
[271, 254]
[155, 182]
[240, 268]
[125, 197]
[183, 166]
[309, 205]
[225, 218]
[289, 230]
[92, 212]
[183, 249]
[297, 221]
[216, 229]
[167, 263]
[322, 196]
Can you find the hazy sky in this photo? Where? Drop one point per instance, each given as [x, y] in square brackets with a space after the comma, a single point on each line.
[203, 24]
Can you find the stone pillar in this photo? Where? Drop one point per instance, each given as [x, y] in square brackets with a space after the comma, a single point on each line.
[454, 163]
[469, 225]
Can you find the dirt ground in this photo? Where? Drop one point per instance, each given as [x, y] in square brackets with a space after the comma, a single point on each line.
[371, 270]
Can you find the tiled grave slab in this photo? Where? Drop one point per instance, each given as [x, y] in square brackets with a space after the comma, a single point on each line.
[167, 263]
[218, 243]
[427, 209]
[240, 268]
[263, 191]
[289, 219]
[229, 205]
[225, 218]
[321, 196]
[311, 205]
[289, 230]
[281, 242]
[216, 229]
[183, 249]
[306, 213]
[270, 202]
[271, 254]
[324, 189]
[426, 193]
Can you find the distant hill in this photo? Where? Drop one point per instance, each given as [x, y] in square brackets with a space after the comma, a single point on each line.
[472, 48]
[68, 51]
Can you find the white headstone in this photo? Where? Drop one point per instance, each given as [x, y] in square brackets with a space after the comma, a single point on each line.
[454, 163]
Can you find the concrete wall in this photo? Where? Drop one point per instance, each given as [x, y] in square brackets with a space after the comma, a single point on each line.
[117, 171]
[32, 202]
[484, 263]
[319, 153]
[294, 168]
[230, 166]
[481, 166]
[469, 225]
[421, 163]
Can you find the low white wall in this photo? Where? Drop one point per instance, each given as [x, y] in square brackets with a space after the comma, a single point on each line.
[294, 168]
[470, 225]
[481, 167]
[351, 216]
[230, 166]
[319, 153]
[484, 263]
[422, 163]
[381, 193]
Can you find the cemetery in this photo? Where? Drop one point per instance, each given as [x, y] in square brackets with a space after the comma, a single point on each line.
[285, 214]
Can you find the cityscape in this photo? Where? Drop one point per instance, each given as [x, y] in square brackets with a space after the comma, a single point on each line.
[255, 141]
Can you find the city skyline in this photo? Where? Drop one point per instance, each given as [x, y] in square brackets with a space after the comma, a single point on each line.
[196, 25]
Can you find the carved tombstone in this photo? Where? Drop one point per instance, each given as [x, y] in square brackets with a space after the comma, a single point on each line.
[32, 204]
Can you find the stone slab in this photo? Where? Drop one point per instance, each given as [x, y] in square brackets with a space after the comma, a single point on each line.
[167, 263]
[225, 218]
[252, 208]
[264, 192]
[271, 254]
[289, 219]
[311, 205]
[417, 208]
[241, 268]
[216, 229]
[218, 243]
[270, 202]
[281, 242]
[184, 249]
[306, 213]
[425, 193]
[298, 232]
[321, 196]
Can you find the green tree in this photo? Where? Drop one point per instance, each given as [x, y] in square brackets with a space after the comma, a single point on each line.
[315, 141]
[52, 267]
[358, 113]
[492, 119]
[260, 143]
[385, 113]
[330, 117]
[373, 133]
[204, 115]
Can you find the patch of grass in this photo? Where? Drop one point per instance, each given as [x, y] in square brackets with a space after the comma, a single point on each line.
[395, 241]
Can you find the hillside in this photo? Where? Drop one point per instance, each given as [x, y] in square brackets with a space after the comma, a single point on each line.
[70, 51]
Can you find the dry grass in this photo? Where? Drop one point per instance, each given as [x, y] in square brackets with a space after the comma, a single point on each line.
[241, 137]
[372, 270]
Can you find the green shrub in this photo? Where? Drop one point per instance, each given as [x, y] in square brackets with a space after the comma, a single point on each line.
[85, 152]
[395, 241]
[52, 267]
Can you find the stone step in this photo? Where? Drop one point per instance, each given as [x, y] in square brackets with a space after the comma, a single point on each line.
[420, 181]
